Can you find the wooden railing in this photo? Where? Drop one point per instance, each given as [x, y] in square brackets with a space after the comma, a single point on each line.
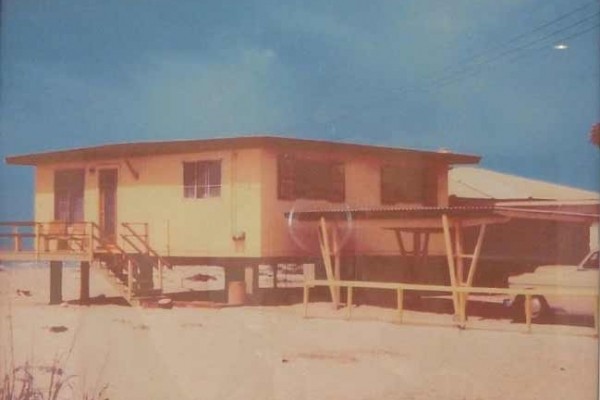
[143, 240]
[461, 292]
[41, 239]
[136, 240]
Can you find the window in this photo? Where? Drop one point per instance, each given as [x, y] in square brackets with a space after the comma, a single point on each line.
[68, 195]
[310, 179]
[201, 179]
[410, 183]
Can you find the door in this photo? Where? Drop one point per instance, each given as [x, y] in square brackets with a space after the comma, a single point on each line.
[68, 195]
[107, 185]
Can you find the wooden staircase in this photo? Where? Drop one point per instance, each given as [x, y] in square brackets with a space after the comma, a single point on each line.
[131, 273]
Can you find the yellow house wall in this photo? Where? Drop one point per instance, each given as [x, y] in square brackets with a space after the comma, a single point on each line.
[248, 204]
[178, 226]
[285, 237]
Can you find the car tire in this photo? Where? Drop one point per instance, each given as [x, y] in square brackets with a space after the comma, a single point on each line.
[540, 309]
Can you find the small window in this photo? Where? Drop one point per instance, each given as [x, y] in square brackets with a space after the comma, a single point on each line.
[310, 179]
[201, 179]
[410, 183]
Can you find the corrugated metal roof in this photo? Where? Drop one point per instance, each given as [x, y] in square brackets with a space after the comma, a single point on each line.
[479, 183]
[140, 149]
[386, 212]
[465, 212]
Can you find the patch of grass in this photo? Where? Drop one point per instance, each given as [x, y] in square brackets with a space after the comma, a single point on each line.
[30, 382]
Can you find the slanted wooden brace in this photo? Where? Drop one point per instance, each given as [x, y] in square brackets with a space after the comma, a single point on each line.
[332, 271]
[456, 266]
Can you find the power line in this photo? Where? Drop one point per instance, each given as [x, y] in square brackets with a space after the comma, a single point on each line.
[470, 69]
[526, 46]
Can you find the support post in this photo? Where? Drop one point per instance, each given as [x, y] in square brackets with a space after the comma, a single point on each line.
[458, 249]
[400, 304]
[336, 262]
[129, 279]
[326, 253]
[476, 254]
[400, 242]
[56, 282]
[160, 274]
[305, 299]
[17, 239]
[84, 286]
[450, 258]
[349, 301]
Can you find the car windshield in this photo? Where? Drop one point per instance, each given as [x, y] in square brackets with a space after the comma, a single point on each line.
[591, 261]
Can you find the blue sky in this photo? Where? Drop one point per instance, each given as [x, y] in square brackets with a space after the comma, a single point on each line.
[472, 76]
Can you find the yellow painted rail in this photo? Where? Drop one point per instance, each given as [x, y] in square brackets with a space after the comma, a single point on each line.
[460, 292]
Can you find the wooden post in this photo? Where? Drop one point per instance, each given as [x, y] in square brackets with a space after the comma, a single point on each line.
[305, 299]
[38, 232]
[349, 301]
[476, 254]
[458, 249]
[326, 253]
[400, 242]
[463, 308]
[336, 262]
[84, 287]
[129, 279]
[17, 239]
[160, 274]
[56, 282]
[450, 258]
[400, 299]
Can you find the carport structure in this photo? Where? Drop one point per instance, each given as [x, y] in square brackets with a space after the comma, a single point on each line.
[418, 224]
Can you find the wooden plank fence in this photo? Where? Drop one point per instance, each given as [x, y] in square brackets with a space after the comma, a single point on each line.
[460, 293]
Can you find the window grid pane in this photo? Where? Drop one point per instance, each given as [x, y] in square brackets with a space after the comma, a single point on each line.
[202, 179]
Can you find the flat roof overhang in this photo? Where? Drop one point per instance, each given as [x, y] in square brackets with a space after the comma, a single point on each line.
[142, 149]
[430, 217]
[406, 218]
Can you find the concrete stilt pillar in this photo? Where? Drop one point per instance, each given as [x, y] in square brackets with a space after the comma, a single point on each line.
[84, 288]
[56, 282]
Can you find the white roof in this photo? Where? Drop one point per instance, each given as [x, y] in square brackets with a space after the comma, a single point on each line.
[480, 183]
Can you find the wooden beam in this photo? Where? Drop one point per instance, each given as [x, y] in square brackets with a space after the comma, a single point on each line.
[84, 287]
[349, 301]
[400, 242]
[326, 253]
[458, 248]
[336, 260]
[56, 282]
[450, 258]
[476, 254]
[400, 303]
[130, 280]
[305, 299]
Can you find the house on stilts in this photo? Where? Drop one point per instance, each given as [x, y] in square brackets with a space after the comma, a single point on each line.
[136, 209]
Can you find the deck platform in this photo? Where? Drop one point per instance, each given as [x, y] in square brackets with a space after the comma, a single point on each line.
[54, 255]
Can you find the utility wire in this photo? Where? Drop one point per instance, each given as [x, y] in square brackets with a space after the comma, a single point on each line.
[521, 48]
[525, 34]
[470, 69]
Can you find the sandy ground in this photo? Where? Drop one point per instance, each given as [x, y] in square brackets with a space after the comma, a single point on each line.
[274, 353]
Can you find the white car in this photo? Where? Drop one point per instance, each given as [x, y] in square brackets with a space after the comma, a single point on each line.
[583, 276]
